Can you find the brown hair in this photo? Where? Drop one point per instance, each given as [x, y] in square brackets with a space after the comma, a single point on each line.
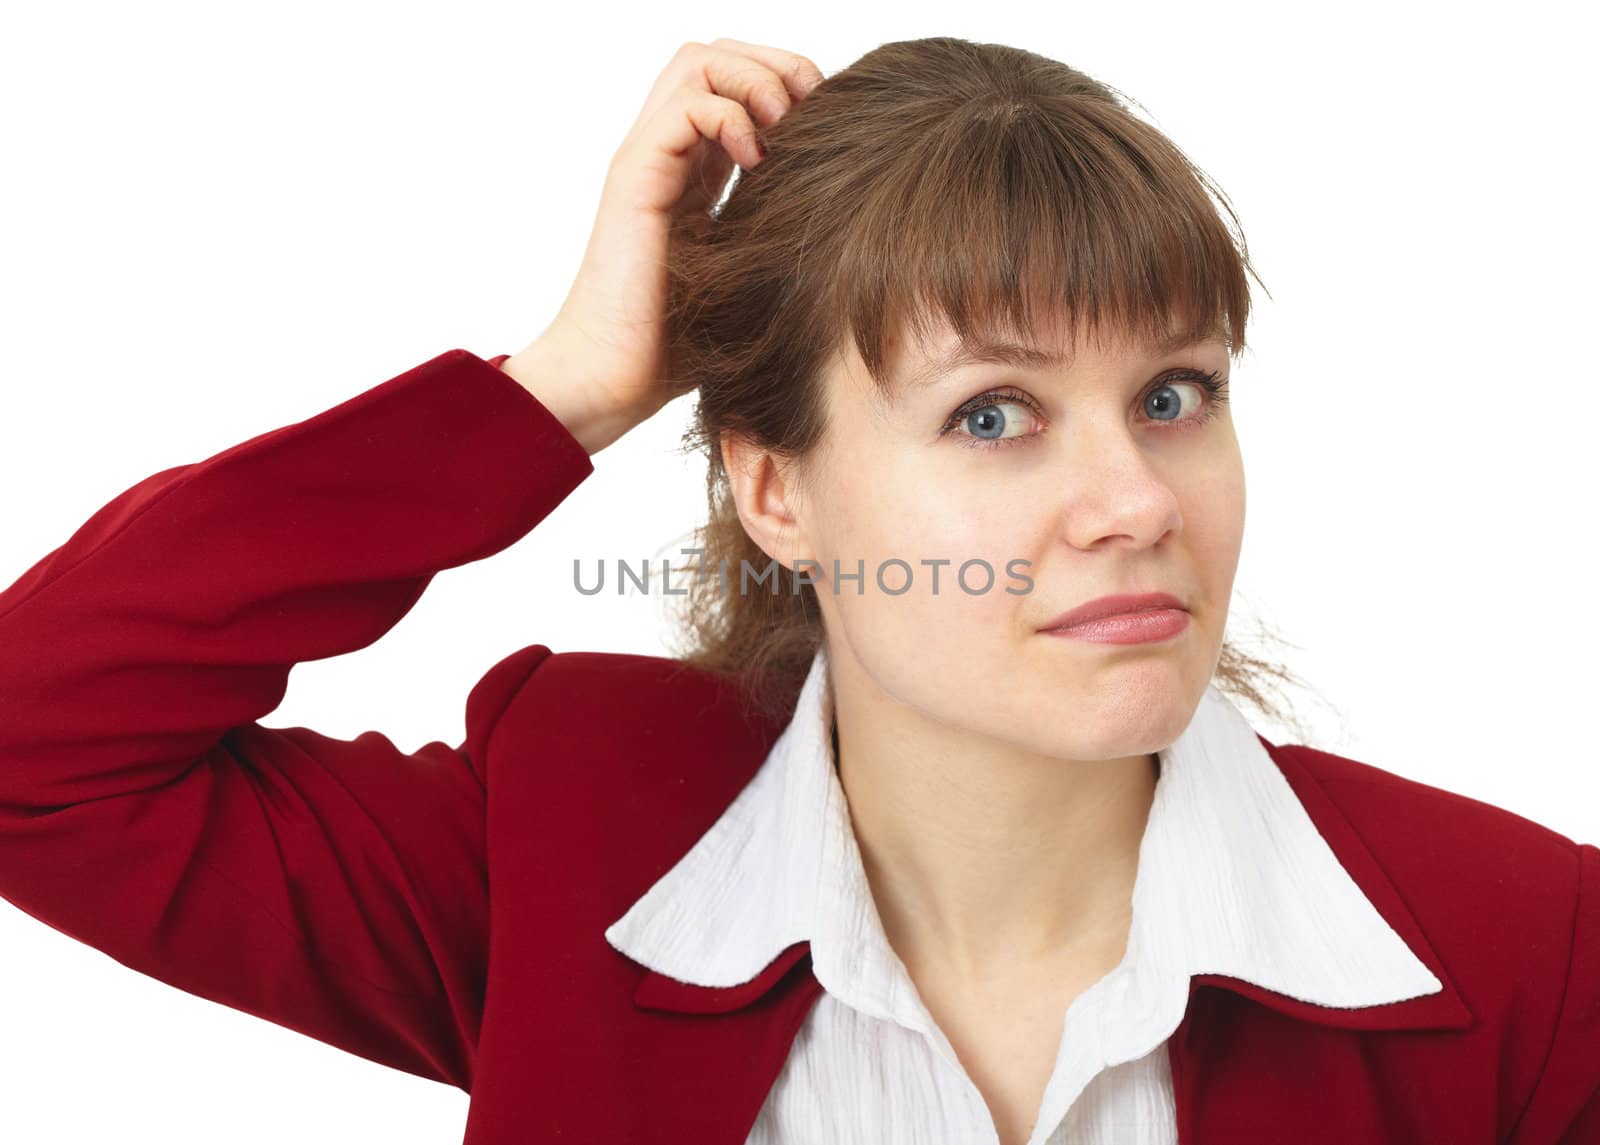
[932, 177]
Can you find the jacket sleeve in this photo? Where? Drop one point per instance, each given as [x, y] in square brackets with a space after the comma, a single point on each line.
[1565, 1106]
[335, 887]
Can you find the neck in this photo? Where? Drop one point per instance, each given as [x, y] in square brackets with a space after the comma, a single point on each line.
[984, 860]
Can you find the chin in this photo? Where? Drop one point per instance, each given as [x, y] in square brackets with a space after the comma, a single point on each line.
[1132, 716]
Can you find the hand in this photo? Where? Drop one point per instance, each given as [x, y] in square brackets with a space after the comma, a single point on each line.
[598, 365]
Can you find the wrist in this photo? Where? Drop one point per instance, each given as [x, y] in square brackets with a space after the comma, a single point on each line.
[552, 382]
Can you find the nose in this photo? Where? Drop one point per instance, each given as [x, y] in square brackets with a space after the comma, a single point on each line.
[1113, 492]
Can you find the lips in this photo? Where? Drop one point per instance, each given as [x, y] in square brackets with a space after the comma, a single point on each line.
[1114, 605]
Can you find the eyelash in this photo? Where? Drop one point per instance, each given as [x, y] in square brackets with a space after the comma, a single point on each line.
[1216, 389]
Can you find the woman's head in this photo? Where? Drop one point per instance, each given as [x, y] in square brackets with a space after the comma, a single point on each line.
[940, 196]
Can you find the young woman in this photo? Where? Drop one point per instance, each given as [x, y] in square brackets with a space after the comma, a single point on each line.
[944, 827]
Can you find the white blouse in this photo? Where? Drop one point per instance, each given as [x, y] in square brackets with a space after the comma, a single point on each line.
[1233, 878]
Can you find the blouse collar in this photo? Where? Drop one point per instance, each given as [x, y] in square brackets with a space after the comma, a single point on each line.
[1233, 879]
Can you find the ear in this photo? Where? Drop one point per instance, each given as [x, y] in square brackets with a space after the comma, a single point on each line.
[768, 496]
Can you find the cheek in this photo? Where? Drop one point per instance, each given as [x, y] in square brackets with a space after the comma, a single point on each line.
[916, 513]
[1213, 516]
[934, 524]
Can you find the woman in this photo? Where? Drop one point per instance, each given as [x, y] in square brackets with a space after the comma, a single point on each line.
[942, 828]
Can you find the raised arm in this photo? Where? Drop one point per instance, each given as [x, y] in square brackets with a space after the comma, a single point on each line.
[336, 887]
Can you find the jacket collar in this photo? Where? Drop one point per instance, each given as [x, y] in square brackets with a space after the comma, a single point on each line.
[1249, 879]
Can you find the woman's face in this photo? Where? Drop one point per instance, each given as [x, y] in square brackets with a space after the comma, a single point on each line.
[1113, 471]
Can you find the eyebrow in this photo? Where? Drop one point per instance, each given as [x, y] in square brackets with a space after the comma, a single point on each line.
[1000, 352]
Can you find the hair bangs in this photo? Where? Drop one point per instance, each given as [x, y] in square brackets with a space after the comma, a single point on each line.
[1037, 218]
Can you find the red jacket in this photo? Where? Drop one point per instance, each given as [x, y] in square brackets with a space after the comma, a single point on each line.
[443, 912]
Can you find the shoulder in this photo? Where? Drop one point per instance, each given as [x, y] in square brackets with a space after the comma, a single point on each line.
[1408, 814]
[588, 748]
[1440, 843]
[642, 696]
[610, 718]
[1462, 859]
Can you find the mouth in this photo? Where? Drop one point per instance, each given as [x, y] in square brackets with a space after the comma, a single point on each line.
[1117, 605]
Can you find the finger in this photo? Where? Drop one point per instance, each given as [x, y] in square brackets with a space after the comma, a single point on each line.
[715, 117]
[679, 129]
[744, 69]
[797, 73]
[714, 68]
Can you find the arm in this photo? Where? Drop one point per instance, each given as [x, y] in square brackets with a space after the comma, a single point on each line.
[336, 887]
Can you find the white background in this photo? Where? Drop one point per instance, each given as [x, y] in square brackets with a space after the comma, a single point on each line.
[219, 219]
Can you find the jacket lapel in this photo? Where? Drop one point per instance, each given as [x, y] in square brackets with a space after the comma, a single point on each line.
[659, 992]
[737, 1037]
[1443, 1010]
[1251, 1064]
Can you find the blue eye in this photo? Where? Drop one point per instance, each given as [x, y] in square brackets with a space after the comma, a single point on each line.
[1162, 398]
[983, 422]
[990, 423]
